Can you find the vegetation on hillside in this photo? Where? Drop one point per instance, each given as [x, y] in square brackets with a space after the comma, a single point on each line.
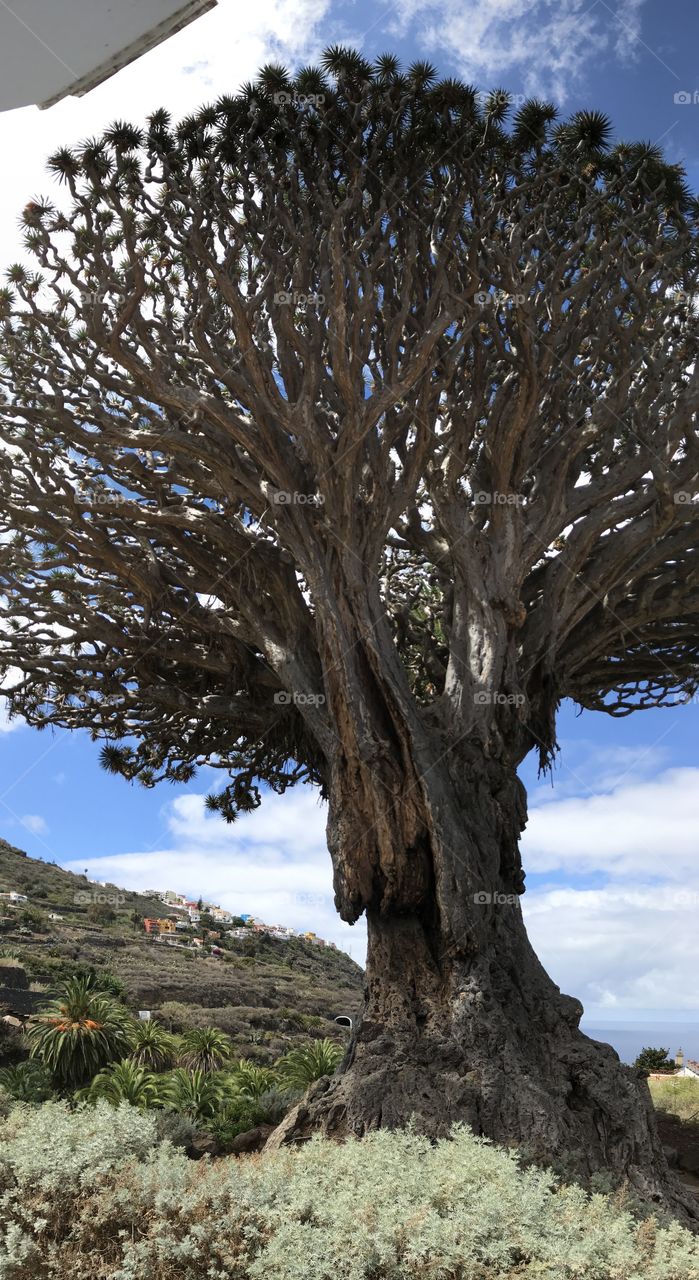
[86, 1046]
[270, 995]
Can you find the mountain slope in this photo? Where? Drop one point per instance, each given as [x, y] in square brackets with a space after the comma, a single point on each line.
[265, 992]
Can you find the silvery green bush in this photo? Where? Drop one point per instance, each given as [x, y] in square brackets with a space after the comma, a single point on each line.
[93, 1193]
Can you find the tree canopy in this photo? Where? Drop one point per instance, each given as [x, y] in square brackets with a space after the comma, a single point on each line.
[355, 343]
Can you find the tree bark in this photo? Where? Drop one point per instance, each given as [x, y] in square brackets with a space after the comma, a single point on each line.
[461, 1023]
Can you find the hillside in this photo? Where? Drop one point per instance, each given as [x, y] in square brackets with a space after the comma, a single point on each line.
[265, 992]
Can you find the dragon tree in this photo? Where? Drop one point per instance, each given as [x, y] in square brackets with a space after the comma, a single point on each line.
[349, 426]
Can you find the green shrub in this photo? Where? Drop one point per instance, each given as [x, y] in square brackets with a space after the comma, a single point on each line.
[93, 1193]
[124, 1082]
[299, 1068]
[27, 1082]
[241, 1113]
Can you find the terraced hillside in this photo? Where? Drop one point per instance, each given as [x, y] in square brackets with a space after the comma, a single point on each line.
[265, 992]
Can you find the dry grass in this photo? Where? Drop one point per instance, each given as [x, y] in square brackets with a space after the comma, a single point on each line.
[676, 1095]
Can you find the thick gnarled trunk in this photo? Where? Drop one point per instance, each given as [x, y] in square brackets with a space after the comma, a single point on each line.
[462, 1024]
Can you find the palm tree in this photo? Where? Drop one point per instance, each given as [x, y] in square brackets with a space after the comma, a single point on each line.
[79, 1032]
[300, 1067]
[124, 1082]
[196, 1094]
[152, 1046]
[27, 1082]
[249, 1082]
[204, 1049]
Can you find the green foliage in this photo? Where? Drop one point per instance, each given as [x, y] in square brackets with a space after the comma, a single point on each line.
[100, 913]
[249, 1081]
[27, 1082]
[124, 1082]
[655, 1060]
[152, 1046]
[93, 1192]
[196, 1094]
[32, 918]
[299, 1068]
[204, 1049]
[79, 1032]
[239, 1114]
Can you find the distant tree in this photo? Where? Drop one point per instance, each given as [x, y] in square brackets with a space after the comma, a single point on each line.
[32, 918]
[347, 428]
[101, 913]
[152, 1046]
[655, 1060]
[204, 1049]
[79, 1032]
[102, 980]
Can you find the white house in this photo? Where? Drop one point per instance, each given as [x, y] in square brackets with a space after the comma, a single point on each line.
[220, 915]
[686, 1067]
[49, 51]
[15, 899]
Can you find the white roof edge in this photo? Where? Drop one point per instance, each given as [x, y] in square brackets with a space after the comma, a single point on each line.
[187, 13]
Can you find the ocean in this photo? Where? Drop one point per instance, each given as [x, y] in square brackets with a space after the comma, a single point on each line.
[628, 1038]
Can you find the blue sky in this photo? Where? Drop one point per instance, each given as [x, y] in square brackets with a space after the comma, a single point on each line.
[612, 845]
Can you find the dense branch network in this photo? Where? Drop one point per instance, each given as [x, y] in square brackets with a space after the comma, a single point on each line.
[347, 352]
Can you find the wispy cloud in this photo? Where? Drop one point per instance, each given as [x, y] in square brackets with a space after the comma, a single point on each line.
[546, 46]
[35, 823]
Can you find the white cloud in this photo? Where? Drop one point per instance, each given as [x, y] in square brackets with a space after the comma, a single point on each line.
[627, 945]
[273, 863]
[213, 56]
[35, 823]
[621, 949]
[642, 829]
[6, 724]
[548, 45]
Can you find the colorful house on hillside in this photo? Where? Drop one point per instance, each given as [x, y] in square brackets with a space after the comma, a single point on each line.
[158, 926]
